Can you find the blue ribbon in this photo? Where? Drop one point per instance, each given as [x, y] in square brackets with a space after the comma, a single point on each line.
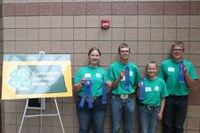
[127, 77]
[87, 94]
[82, 101]
[181, 72]
[142, 89]
[104, 97]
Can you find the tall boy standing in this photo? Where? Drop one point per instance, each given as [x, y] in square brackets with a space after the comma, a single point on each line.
[179, 75]
[123, 89]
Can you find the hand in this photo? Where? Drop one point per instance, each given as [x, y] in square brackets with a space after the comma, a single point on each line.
[185, 68]
[109, 83]
[160, 116]
[83, 81]
[122, 74]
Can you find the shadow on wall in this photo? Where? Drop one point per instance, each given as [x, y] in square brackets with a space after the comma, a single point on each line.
[194, 94]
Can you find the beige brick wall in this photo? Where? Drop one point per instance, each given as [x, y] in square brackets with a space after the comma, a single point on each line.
[149, 35]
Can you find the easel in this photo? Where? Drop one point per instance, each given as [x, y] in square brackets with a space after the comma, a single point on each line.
[41, 111]
[40, 115]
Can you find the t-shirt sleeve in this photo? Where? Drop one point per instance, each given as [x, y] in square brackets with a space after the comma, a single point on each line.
[110, 74]
[192, 72]
[164, 92]
[105, 76]
[138, 77]
[161, 72]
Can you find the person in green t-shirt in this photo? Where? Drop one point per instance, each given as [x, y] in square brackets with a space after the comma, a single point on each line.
[152, 101]
[179, 75]
[125, 77]
[91, 104]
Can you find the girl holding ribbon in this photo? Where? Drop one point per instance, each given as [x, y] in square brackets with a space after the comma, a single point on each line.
[92, 86]
[179, 75]
[152, 93]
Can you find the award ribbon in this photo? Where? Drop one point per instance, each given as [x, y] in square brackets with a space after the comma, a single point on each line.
[104, 90]
[82, 101]
[181, 73]
[142, 89]
[127, 77]
[87, 94]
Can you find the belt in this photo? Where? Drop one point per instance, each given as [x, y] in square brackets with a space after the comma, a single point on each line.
[96, 98]
[149, 106]
[125, 96]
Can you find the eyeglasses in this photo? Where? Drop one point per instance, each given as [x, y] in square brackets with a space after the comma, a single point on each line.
[124, 51]
[177, 50]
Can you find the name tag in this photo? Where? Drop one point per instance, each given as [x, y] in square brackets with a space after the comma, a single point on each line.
[170, 69]
[87, 75]
[147, 89]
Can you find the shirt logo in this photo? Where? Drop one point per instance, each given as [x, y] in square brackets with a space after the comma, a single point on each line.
[156, 88]
[170, 69]
[98, 75]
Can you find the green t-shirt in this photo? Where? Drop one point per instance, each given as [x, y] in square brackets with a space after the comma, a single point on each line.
[114, 73]
[97, 75]
[169, 71]
[155, 90]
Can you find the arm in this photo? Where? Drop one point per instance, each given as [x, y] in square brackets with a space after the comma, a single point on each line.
[78, 86]
[115, 83]
[190, 82]
[160, 114]
[109, 83]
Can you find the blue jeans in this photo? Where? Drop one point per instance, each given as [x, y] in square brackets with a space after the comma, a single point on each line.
[175, 113]
[94, 116]
[148, 119]
[125, 108]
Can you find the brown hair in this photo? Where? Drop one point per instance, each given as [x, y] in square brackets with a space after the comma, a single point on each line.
[123, 45]
[178, 43]
[92, 49]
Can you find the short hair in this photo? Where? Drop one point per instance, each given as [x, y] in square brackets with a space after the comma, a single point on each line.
[178, 43]
[123, 45]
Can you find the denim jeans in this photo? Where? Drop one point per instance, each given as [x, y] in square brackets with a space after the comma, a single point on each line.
[175, 113]
[91, 116]
[148, 119]
[125, 108]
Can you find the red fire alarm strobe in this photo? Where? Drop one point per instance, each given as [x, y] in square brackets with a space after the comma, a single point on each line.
[105, 24]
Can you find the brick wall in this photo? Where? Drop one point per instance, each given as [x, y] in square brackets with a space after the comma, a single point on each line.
[73, 27]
